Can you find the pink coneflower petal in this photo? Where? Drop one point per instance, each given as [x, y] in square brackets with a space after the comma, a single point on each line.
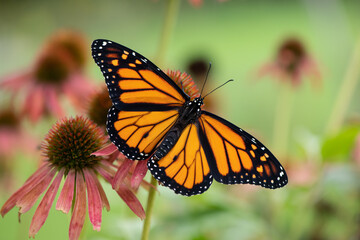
[37, 176]
[29, 199]
[78, 89]
[131, 200]
[94, 199]
[121, 173]
[16, 82]
[138, 174]
[52, 102]
[107, 150]
[34, 103]
[43, 209]
[78, 216]
[104, 200]
[65, 199]
[105, 171]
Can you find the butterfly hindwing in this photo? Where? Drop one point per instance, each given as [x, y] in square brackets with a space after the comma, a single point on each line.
[235, 156]
[133, 81]
[136, 133]
[180, 162]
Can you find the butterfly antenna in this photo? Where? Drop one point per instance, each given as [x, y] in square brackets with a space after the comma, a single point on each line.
[207, 74]
[218, 87]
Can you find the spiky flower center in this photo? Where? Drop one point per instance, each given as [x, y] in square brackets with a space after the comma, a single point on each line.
[69, 144]
[185, 82]
[99, 107]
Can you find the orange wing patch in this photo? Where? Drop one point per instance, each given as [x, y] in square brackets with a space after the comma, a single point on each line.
[237, 157]
[185, 166]
[137, 133]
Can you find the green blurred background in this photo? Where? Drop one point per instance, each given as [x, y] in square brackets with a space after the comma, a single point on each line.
[238, 37]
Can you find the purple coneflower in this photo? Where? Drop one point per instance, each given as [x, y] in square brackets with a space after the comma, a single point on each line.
[67, 153]
[291, 63]
[57, 72]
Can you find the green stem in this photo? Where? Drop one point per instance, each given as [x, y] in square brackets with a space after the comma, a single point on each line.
[346, 92]
[172, 7]
[149, 208]
[282, 121]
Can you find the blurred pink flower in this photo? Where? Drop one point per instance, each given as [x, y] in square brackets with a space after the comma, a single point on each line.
[57, 72]
[98, 107]
[67, 151]
[356, 151]
[199, 3]
[292, 63]
[13, 139]
[302, 174]
[12, 136]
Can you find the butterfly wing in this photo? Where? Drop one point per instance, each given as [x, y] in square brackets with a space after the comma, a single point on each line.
[134, 82]
[146, 101]
[180, 162]
[234, 156]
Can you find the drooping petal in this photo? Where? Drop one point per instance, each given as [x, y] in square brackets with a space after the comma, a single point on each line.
[105, 170]
[78, 216]
[138, 174]
[121, 173]
[94, 199]
[29, 199]
[34, 103]
[65, 199]
[131, 200]
[105, 151]
[43, 209]
[52, 102]
[28, 185]
[104, 200]
[16, 82]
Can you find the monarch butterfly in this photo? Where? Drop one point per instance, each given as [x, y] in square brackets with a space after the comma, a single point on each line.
[186, 147]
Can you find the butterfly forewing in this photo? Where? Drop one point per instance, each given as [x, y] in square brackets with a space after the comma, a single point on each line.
[133, 81]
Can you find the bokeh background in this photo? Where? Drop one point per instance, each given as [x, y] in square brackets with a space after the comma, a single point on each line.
[313, 125]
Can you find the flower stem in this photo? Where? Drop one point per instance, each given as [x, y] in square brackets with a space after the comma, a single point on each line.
[282, 121]
[149, 208]
[172, 7]
[346, 92]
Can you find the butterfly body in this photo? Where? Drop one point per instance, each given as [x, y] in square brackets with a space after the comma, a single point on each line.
[186, 147]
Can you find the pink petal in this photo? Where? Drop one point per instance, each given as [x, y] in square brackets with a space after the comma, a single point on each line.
[78, 216]
[105, 169]
[121, 173]
[104, 200]
[131, 200]
[16, 82]
[29, 199]
[94, 199]
[65, 199]
[28, 185]
[78, 89]
[105, 151]
[52, 102]
[43, 209]
[34, 103]
[139, 174]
